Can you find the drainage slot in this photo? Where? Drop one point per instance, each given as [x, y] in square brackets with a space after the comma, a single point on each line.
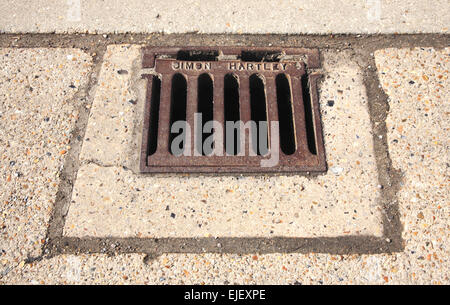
[197, 55]
[231, 114]
[309, 119]
[178, 113]
[260, 56]
[154, 115]
[205, 107]
[285, 115]
[259, 115]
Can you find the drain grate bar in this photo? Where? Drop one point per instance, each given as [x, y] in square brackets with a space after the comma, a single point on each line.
[192, 108]
[164, 114]
[270, 92]
[218, 109]
[245, 111]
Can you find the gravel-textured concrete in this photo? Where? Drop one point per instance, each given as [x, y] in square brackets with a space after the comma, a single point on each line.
[232, 16]
[37, 113]
[110, 200]
[418, 135]
[220, 269]
[416, 82]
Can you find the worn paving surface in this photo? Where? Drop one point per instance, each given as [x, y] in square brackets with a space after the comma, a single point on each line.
[417, 83]
[232, 16]
[109, 199]
[415, 184]
[38, 108]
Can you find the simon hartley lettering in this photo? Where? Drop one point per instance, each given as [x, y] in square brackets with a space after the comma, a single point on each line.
[263, 66]
[191, 65]
[232, 65]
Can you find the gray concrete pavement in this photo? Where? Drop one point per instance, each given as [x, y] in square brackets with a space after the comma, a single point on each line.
[416, 82]
[231, 16]
[38, 109]
[64, 202]
[341, 202]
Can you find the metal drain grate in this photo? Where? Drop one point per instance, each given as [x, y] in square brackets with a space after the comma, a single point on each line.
[229, 109]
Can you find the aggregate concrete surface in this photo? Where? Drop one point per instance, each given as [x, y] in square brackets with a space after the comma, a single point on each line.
[70, 212]
[232, 16]
[38, 108]
[415, 81]
[110, 200]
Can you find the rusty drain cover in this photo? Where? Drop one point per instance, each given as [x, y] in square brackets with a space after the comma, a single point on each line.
[231, 109]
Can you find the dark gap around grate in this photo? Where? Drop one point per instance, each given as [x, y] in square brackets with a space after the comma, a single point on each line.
[194, 55]
[260, 56]
[259, 114]
[231, 113]
[285, 115]
[178, 108]
[154, 115]
[309, 120]
[205, 107]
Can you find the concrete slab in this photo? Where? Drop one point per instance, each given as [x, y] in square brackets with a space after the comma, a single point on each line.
[233, 16]
[421, 109]
[417, 83]
[212, 269]
[38, 109]
[111, 200]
